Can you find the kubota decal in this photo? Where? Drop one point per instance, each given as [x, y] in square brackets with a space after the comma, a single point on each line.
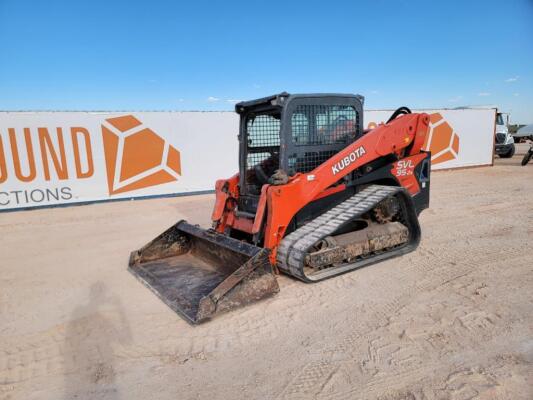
[350, 158]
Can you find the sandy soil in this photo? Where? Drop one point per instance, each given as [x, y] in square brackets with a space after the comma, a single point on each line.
[452, 320]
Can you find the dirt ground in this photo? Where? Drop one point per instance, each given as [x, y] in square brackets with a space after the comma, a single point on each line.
[452, 320]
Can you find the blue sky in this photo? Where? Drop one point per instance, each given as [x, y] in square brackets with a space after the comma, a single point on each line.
[196, 55]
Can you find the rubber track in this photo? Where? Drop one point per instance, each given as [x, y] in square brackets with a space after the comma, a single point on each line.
[294, 247]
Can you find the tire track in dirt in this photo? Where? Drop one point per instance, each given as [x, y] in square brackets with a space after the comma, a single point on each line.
[460, 325]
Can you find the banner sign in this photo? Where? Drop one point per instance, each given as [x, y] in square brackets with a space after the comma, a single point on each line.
[69, 157]
[53, 158]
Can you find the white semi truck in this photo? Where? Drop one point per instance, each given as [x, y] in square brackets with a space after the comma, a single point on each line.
[504, 142]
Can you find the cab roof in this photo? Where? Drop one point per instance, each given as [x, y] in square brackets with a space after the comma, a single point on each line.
[283, 98]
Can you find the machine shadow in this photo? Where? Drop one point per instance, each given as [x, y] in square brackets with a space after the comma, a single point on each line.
[94, 330]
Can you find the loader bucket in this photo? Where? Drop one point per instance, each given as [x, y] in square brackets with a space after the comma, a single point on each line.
[199, 273]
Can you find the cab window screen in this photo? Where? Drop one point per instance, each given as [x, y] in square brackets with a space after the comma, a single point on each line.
[262, 149]
[324, 124]
[263, 130]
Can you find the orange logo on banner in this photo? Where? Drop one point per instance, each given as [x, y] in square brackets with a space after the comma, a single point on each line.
[136, 157]
[442, 140]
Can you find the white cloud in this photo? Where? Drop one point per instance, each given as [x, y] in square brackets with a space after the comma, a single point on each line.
[374, 92]
[516, 94]
[455, 99]
[233, 101]
[483, 94]
[513, 79]
[212, 99]
[181, 100]
[256, 86]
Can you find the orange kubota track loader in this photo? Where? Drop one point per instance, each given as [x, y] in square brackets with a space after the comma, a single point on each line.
[315, 196]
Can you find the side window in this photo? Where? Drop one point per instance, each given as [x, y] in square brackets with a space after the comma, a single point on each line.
[263, 140]
[263, 130]
[300, 128]
[323, 124]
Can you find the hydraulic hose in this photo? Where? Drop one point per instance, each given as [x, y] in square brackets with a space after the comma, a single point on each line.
[399, 111]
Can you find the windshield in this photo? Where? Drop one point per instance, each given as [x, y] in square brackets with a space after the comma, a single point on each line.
[499, 119]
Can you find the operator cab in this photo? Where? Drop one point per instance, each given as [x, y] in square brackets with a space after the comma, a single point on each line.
[292, 133]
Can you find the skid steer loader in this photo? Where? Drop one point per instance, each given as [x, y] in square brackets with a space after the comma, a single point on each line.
[316, 196]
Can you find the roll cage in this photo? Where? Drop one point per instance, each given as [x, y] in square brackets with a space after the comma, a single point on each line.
[294, 133]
